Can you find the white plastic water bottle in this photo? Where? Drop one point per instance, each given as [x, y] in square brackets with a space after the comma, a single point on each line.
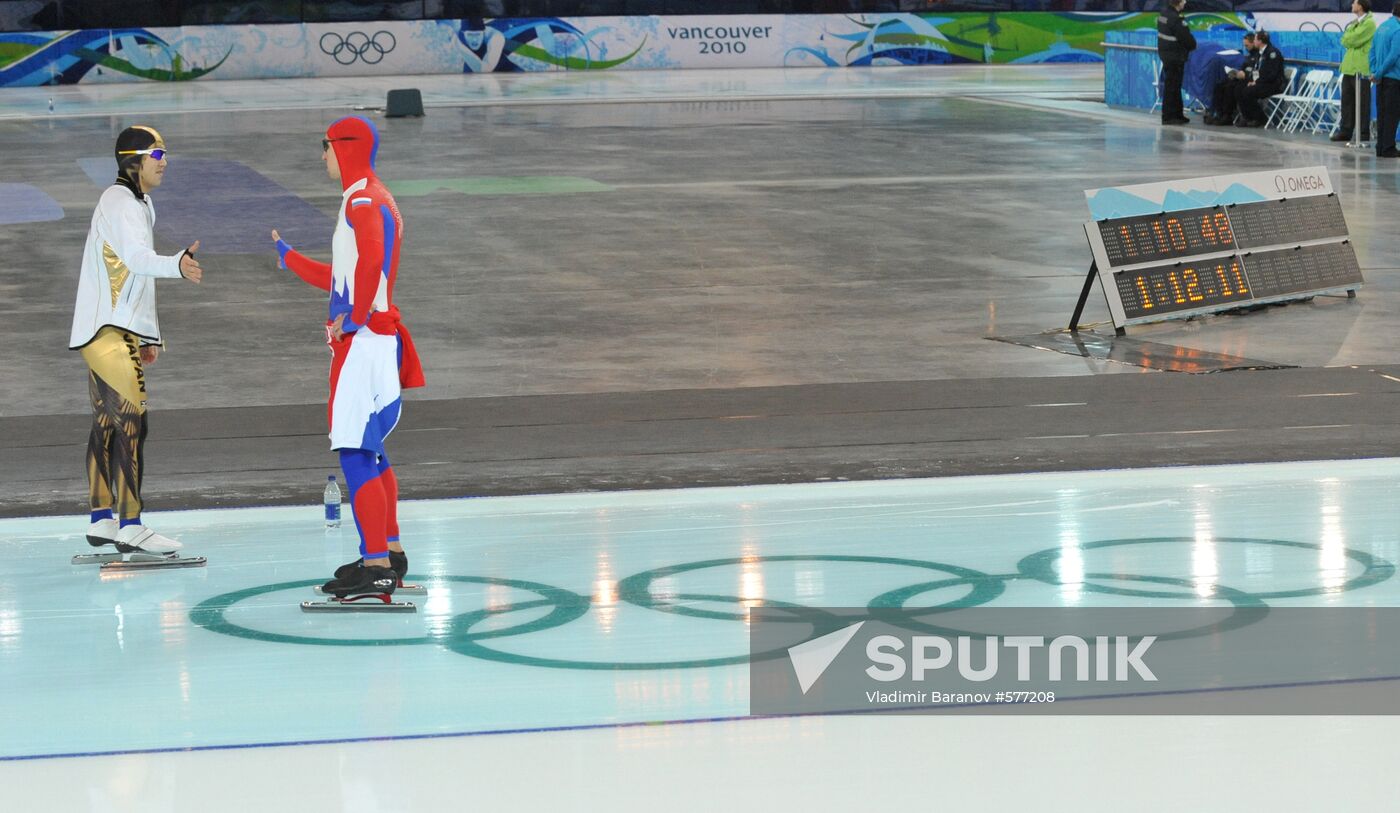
[332, 503]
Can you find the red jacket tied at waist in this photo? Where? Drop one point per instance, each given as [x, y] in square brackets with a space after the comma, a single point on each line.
[390, 323]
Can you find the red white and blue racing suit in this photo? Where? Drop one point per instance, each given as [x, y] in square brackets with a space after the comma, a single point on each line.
[375, 359]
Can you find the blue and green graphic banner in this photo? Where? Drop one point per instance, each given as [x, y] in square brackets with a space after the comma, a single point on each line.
[481, 45]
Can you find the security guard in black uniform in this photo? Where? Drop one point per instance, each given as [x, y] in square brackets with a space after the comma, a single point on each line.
[1266, 80]
[1174, 42]
[1222, 103]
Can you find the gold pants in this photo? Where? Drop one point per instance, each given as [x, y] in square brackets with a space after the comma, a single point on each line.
[117, 387]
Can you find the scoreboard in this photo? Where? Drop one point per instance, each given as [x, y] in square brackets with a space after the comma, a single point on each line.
[1244, 246]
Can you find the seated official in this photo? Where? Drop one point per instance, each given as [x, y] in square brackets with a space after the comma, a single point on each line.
[1265, 80]
[1222, 103]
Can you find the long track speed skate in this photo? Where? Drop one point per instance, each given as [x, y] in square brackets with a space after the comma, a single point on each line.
[137, 548]
[403, 589]
[360, 589]
[398, 561]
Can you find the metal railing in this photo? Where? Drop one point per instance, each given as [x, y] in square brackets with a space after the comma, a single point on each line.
[1318, 62]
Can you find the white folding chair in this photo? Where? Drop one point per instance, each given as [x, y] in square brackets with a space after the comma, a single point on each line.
[1329, 110]
[1297, 103]
[1279, 102]
[1301, 107]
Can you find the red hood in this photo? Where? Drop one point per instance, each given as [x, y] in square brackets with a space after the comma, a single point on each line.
[355, 155]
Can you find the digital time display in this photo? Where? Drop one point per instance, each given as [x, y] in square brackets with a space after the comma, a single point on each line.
[1182, 286]
[1166, 236]
[1236, 280]
[1296, 270]
[1296, 220]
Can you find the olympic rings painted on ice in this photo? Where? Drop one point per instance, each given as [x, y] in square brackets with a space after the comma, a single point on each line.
[1041, 566]
[1245, 608]
[461, 635]
[210, 613]
[357, 45]
[636, 590]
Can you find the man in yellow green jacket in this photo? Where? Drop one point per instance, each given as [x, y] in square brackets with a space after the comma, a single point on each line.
[1356, 39]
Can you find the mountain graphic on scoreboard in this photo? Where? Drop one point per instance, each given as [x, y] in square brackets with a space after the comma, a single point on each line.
[1114, 202]
[1175, 201]
[1117, 203]
[1239, 193]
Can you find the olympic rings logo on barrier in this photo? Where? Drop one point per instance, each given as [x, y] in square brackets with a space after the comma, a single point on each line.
[976, 589]
[357, 45]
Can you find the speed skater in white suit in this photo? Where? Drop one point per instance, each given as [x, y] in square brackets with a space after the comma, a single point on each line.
[116, 330]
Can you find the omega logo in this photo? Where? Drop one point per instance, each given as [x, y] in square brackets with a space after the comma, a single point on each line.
[1298, 183]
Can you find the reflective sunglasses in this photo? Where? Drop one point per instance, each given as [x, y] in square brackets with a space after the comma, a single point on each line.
[326, 142]
[156, 154]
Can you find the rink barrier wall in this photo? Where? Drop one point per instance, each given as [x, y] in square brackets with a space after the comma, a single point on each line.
[583, 44]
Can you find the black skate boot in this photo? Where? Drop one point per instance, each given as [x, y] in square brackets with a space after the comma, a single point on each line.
[360, 589]
[397, 561]
[362, 581]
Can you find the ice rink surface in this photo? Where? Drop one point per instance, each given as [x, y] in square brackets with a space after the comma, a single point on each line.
[569, 620]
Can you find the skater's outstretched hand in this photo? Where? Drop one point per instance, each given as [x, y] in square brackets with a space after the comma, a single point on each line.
[189, 266]
[149, 354]
[282, 249]
[313, 273]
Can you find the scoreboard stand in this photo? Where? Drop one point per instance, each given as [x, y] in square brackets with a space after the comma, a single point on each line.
[1217, 244]
[1084, 299]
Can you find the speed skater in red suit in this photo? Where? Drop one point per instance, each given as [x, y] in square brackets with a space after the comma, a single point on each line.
[372, 355]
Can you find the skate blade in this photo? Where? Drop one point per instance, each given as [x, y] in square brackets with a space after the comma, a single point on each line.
[369, 603]
[155, 562]
[96, 558]
[405, 589]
